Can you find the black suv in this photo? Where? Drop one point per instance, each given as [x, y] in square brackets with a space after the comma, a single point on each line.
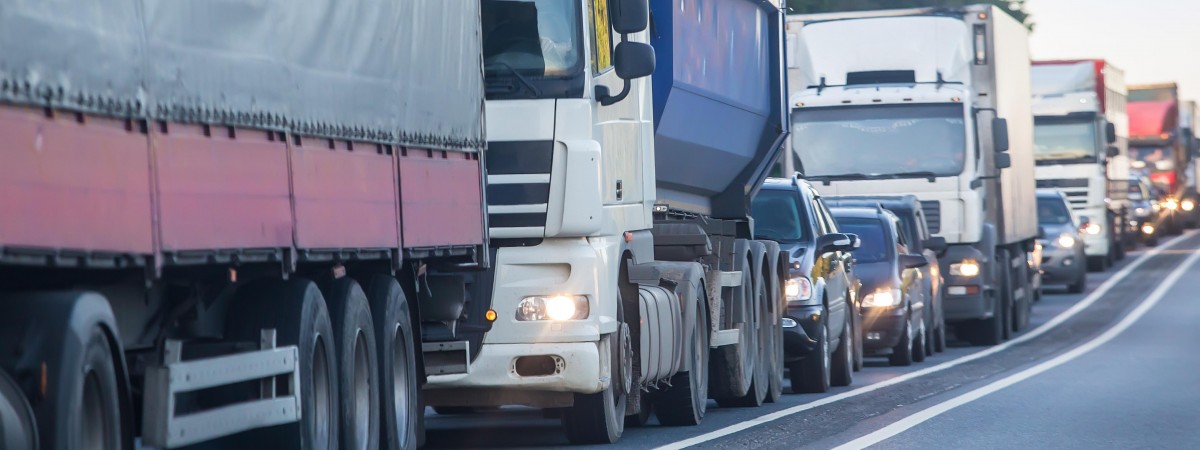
[893, 296]
[821, 326]
[914, 230]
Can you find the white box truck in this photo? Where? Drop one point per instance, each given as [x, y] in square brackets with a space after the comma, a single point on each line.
[933, 102]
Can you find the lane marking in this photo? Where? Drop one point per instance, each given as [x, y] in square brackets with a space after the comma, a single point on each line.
[936, 410]
[1044, 328]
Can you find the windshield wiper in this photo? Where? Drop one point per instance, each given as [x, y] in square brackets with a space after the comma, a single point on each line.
[915, 174]
[845, 176]
[524, 81]
[874, 176]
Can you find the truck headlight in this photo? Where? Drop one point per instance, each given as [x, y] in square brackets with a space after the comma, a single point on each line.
[882, 298]
[1092, 228]
[968, 268]
[1187, 205]
[554, 307]
[798, 289]
[1066, 241]
[1171, 204]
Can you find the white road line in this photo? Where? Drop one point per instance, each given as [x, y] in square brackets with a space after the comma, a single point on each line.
[1060, 318]
[926, 414]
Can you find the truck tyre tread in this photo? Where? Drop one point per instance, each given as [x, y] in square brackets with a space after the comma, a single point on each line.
[685, 401]
[733, 372]
[399, 405]
[759, 384]
[354, 336]
[599, 418]
[16, 417]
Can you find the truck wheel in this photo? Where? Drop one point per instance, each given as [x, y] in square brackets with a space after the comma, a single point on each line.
[733, 372]
[600, 418]
[398, 402]
[918, 345]
[357, 363]
[759, 383]
[811, 375]
[902, 353]
[685, 401]
[645, 410]
[842, 372]
[296, 310]
[17, 429]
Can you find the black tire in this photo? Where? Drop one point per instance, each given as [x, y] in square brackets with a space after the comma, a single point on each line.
[733, 372]
[812, 375]
[859, 353]
[18, 429]
[902, 353]
[1079, 284]
[939, 338]
[928, 339]
[645, 410]
[599, 418]
[685, 401]
[1097, 263]
[918, 345]
[72, 337]
[1023, 307]
[842, 371]
[760, 383]
[357, 363]
[399, 404]
[296, 310]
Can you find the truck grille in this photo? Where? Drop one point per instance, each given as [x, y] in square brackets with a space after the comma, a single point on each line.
[933, 215]
[1076, 190]
[518, 188]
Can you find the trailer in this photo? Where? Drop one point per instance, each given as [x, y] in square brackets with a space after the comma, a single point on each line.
[216, 220]
[626, 278]
[1158, 147]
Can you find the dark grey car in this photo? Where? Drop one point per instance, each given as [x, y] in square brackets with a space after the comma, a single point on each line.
[1063, 259]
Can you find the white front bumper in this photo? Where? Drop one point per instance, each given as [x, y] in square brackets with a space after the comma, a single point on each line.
[495, 368]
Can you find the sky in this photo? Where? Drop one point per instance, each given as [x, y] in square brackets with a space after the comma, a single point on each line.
[1152, 40]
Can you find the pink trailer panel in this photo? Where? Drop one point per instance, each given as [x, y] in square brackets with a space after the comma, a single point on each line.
[345, 199]
[218, 192]
[440, 199]
[73, 185]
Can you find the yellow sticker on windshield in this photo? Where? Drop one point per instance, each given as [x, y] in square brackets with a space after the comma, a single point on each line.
[602, 37]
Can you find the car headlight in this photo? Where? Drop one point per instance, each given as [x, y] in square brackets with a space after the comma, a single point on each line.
[882, 298]
[798, 289]
[1066, 241]
[1171, 204]
[1148, 229]
[1092, 228]
[1140, 211]
[968, 268]
[555, 307]
[1187, 205]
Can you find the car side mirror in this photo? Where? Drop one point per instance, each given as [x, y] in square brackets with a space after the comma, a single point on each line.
[1110, 133]
[936, 243]
[631, 60]
[910, 261]
[1000, 134]
[855, 242]
[1112, 151]
[834, 242]
[629, 16]
[1003, 160]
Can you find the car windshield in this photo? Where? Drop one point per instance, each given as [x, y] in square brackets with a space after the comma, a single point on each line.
[1064, 141]
[533, 37]
[880, 140]
[777, 216]
[1052, 210]
[873, 247]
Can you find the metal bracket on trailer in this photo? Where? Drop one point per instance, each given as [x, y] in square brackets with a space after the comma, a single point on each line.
[717, 279]
[163, 428]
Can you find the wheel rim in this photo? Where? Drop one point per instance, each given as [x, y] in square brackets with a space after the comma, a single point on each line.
[362, 390]
[826, 360]
[322, 401]
[95, 427]
[400, 394]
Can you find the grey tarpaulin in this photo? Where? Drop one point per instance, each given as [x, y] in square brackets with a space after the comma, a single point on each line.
[397, 71]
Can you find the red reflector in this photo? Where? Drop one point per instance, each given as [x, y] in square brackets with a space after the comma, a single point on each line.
[972, 290]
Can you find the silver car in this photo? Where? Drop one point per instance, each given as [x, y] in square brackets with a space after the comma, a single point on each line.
[1063, 258]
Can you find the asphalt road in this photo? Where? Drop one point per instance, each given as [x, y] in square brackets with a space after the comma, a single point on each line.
[1113, 367]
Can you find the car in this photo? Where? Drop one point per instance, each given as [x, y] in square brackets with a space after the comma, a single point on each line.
[1063, 258]
[893, 306]
[821, 320]
[1145, 211]
[915, 230]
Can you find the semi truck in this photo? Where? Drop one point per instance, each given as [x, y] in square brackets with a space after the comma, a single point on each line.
[933, 102]
[1081, 147]
[229, 224]
[1158, 148]
[1189, 121]
[621, 163]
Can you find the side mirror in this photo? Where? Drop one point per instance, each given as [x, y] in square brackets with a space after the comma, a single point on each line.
[910, 261]
[1003, 160]
[631, 60]
[628, 16]
[855, 241]
[834, 242]
[1110, 133]
[1112, 151]
[936, 243]
[1000, 134]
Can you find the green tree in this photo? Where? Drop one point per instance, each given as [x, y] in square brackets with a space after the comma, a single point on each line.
[1016, 8]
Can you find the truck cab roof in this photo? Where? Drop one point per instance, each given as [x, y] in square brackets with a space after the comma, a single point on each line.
[874, 94]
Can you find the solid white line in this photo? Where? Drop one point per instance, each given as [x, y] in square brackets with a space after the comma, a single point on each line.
[1060, 318]
[929, 413]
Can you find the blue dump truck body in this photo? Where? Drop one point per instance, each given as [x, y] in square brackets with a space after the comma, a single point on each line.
[720, 106]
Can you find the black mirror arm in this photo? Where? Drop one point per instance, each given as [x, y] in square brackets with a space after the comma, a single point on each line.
[606, 99]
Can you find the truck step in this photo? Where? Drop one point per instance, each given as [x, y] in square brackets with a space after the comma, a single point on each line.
[446, 358]
[721, 338]
[163, 428]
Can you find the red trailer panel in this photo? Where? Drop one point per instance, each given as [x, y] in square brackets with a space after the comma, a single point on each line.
[435, 212]
[66, 183]
[222, 192]
[345, 199]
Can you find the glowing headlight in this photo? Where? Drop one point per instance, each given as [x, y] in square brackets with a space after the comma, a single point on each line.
[1148, 229]
[1066, 241]
[1187, 205]
[882, 297]
[1171, 204]
[798, 289]
[557, 307]
[1092, 228]
[1140, 211]
[968, 268]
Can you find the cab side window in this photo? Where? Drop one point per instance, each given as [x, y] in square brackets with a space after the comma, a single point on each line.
[901, 237]
[601, 36]
[826, 219]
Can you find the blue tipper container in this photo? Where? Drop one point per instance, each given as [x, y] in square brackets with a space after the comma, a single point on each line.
[720, 101]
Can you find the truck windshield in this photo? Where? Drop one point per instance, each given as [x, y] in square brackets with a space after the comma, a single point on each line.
[532, 48]
[873, 247]
[1153, 159]
[1065, 142]
[777, 216]
[880, 141]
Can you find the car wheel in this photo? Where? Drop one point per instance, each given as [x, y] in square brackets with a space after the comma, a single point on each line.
[843, 358]
[1078, 285]
[918, 345]
[811, 375]
[939, 341]
[902, 353]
